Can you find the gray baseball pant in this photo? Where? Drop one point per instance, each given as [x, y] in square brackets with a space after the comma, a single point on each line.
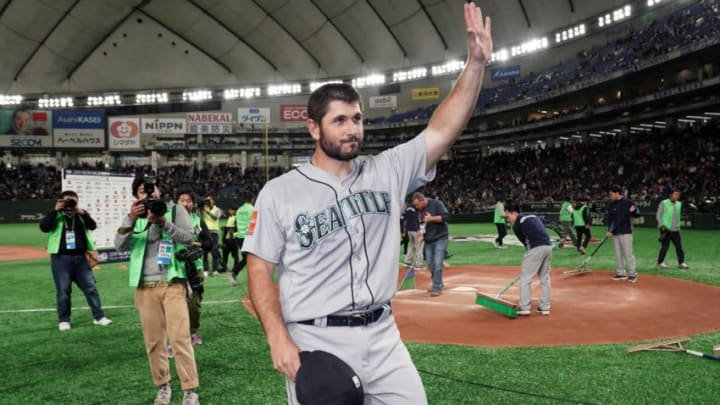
[624, 258]
[535, 261]
[375, 352]
[569, 230]
[413, 257]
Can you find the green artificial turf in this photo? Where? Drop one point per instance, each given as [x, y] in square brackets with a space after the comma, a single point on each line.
[107, 365]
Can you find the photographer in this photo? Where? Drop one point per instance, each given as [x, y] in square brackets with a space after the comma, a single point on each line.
[211, 216]
[192, 259]
[69, 238]
[153, 237]
[229, 242]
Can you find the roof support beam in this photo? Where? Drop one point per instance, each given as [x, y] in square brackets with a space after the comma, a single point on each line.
[432, 22]
[228, 29]
[106, 36]
[317, 62]
[179, 35]
[2, 11]
[362, 60]
[392, 34]
[525, 14]
[41, 43]
[572, 6]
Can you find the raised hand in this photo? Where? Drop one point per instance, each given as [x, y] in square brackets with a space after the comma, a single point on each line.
[479, 34]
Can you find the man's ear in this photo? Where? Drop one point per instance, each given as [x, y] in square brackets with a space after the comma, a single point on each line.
[313, 128]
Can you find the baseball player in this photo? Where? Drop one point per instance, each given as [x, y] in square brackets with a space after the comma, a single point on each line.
[331, 229]
[531, 232]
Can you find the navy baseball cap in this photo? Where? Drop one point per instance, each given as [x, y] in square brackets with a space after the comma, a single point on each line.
[325, 379]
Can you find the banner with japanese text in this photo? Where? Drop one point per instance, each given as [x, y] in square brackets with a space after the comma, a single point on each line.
[212, 123]
[83, 129]
[124, 133]
[251, 116]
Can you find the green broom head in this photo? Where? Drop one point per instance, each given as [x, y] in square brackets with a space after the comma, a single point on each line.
[497, 305]
[408, 281]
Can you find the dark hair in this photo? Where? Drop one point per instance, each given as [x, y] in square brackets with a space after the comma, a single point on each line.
[137, 182]
[185, 191]
[68, 193]
[320, 99]
[675, 190]
[513, 207]
[616, 189]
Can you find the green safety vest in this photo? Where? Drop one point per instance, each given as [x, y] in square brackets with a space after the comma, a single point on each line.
[499, 211]
[55, 236]
[137, 253]
[668, 213]
[579, 216]
[212, 223]
[242, 219]
[195, 220]
[565, 215]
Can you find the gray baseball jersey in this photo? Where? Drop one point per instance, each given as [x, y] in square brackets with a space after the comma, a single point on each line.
[335, 241]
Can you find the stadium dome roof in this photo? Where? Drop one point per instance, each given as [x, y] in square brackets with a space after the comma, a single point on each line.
[54, 46]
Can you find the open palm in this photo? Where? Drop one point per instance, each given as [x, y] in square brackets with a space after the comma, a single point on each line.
[479, 33]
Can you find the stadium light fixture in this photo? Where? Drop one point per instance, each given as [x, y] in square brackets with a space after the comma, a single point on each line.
[698, 117]
[315, 85]
[714, 114]
[370, 80]
[284, 89]
[456, 65]
[55, 102]
[197, 95]
[14, 99]
[110, 99]
[151, 98]
[247, 92]
[407, 75]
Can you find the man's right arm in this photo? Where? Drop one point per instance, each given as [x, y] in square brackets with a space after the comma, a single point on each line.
[266, 301]
[48, 223]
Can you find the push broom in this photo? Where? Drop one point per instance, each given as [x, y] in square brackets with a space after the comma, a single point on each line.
[582, 269]
[498, 304]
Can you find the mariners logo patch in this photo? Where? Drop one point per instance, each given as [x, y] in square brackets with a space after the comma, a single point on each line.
[253, 223]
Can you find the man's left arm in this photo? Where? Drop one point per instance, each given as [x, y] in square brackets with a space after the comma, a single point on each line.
[451, 116]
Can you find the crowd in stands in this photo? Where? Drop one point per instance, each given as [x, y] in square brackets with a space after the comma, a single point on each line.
[647, 164]
[693, 24]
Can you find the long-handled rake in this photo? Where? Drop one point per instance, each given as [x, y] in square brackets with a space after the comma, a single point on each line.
[497, 304]
[672, 345]
[583, 268]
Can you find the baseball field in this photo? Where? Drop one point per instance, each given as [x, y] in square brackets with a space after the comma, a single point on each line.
[107, 365]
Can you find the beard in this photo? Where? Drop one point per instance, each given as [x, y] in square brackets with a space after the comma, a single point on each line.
[335, 150]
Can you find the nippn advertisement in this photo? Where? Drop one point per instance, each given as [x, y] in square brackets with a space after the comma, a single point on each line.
[124, 133]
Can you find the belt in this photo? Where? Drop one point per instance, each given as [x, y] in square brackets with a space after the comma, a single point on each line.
[354, 319]
[161, 283]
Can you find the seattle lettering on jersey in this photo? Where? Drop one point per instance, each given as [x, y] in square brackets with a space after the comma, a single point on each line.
[310, 229]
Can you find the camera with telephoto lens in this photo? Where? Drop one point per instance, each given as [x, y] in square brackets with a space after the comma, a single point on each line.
[69, 205]
[154, 205]
[189, 256]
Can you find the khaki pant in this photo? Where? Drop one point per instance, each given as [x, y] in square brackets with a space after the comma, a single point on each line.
[164, 317]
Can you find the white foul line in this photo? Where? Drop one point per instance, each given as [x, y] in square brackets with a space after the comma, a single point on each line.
[18, 311]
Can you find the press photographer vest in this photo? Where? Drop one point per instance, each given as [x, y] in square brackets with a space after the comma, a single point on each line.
[55, 236]
[565, 214]
[137, 252]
